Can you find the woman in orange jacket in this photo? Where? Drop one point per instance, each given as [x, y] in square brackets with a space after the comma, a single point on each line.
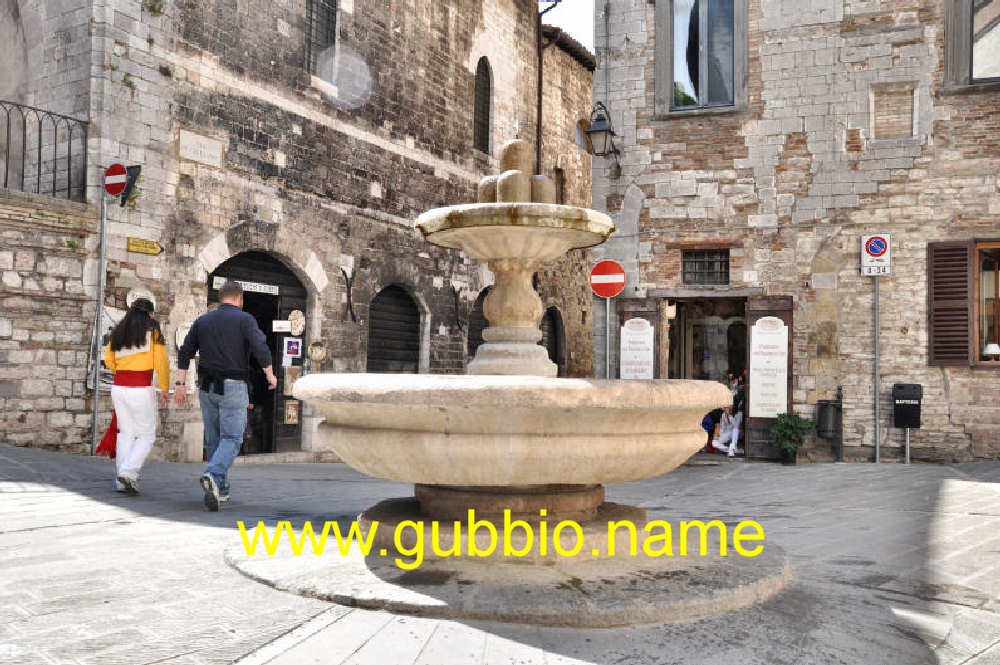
[136, 349]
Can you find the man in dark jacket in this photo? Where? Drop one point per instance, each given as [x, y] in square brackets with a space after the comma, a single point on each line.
[226, 338]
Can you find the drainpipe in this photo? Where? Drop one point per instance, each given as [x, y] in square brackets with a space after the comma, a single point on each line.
[539, 48]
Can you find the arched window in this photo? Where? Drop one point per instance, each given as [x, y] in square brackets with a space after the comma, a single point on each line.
[393, 332]
[481, 119]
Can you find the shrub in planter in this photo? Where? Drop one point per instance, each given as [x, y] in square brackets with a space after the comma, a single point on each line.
[788, 434]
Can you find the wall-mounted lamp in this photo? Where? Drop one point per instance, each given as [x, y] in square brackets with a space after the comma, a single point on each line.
[992, 349]
[600, 136]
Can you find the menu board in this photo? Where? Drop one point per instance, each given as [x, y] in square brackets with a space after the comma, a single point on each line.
[636, 350]
[768, 368]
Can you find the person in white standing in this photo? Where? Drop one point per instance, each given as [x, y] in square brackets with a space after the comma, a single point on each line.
[135, 351]
[729, 432]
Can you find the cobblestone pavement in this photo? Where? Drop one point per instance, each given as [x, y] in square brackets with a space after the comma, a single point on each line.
[892, 564]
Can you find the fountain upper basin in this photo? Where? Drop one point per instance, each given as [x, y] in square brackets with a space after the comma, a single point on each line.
[509, 430]
[526, 231]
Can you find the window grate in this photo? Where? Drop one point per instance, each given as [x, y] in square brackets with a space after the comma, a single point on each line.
[321, 35]
[705, 266]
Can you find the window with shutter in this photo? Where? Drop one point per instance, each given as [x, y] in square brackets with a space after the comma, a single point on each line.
[481, 110]
[949, 306]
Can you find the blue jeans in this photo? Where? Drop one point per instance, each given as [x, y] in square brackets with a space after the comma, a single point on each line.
[225, 418]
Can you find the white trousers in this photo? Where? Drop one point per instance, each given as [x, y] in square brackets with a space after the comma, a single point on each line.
[730, 437]
[135, 408]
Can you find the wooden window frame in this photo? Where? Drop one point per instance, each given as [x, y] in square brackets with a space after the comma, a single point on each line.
[973, 341]
[977, 341]
[664, 63]
[958, 48]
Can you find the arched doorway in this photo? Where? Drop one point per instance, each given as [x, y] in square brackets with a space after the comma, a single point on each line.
[554, 338]
[477, 324]
[271, 292]
[393, 333]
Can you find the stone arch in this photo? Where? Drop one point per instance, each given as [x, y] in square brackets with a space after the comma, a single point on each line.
[288, 248]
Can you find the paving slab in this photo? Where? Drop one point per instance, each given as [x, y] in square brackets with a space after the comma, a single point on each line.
[892, 565]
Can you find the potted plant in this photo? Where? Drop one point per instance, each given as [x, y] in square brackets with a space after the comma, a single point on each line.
[788, 433]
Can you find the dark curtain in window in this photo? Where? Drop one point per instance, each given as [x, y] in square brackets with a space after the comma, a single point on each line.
[481, 120]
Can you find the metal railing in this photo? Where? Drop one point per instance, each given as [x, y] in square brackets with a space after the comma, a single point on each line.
[42, 152]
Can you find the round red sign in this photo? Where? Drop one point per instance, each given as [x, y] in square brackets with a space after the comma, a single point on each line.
[607, 279]
[115, 179]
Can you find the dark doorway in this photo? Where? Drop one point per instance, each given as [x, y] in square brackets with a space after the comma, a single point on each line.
[708, 339]
[554, 338]
[393, 333]
[477, 323]
[271, 293]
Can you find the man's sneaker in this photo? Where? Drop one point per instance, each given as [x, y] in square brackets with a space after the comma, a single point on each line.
[130, 484]
[211, 492]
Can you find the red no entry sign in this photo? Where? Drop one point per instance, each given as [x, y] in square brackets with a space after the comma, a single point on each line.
[115, 179]
[607, 279]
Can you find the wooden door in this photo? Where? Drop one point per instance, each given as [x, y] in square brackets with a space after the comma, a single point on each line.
[759, 442]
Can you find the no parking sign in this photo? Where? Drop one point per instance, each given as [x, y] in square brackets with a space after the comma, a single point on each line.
[875, 259]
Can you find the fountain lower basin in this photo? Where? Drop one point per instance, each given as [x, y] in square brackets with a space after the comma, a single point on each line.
[516, 432]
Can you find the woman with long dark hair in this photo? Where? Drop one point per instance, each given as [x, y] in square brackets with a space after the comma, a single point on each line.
[136, 349]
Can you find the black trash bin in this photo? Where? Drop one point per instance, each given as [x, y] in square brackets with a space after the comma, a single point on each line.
[906, 400]
[827, 418]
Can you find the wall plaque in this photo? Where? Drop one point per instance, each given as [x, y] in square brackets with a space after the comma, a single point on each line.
[202, 149]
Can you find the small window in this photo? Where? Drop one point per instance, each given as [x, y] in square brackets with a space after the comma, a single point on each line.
[988, 287]
[321, 37]
[706, 266]
[481, 110]
[985, 40]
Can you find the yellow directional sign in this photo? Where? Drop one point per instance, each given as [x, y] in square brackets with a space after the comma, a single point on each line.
[144, 246]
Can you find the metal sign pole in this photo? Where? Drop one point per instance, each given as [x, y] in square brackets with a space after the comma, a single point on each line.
[907, 430]
[607, 338]
[98, 319]
[875, 309]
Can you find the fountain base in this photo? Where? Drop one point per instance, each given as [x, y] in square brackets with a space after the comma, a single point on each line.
[531, 503]
[583, 591]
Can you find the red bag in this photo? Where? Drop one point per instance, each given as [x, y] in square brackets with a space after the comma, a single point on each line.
[109, 444]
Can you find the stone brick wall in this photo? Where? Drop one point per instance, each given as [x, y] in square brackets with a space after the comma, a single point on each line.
[45, 321]
[823, 153]
[243, 149]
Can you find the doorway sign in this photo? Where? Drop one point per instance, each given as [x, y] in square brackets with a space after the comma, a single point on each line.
[636, 356]
[768, 368]
[607, 279]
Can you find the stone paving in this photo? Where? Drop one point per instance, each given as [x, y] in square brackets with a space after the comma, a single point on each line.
[892, 564]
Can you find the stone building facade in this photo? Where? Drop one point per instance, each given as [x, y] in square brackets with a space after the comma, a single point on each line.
[291, 146]
[750, 173]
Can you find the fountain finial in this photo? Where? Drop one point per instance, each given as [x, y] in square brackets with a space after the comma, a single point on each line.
[516, 184]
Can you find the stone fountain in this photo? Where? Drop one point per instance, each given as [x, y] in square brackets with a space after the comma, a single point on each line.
[510, 436]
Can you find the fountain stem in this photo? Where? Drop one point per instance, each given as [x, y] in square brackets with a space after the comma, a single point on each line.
[514, 310]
